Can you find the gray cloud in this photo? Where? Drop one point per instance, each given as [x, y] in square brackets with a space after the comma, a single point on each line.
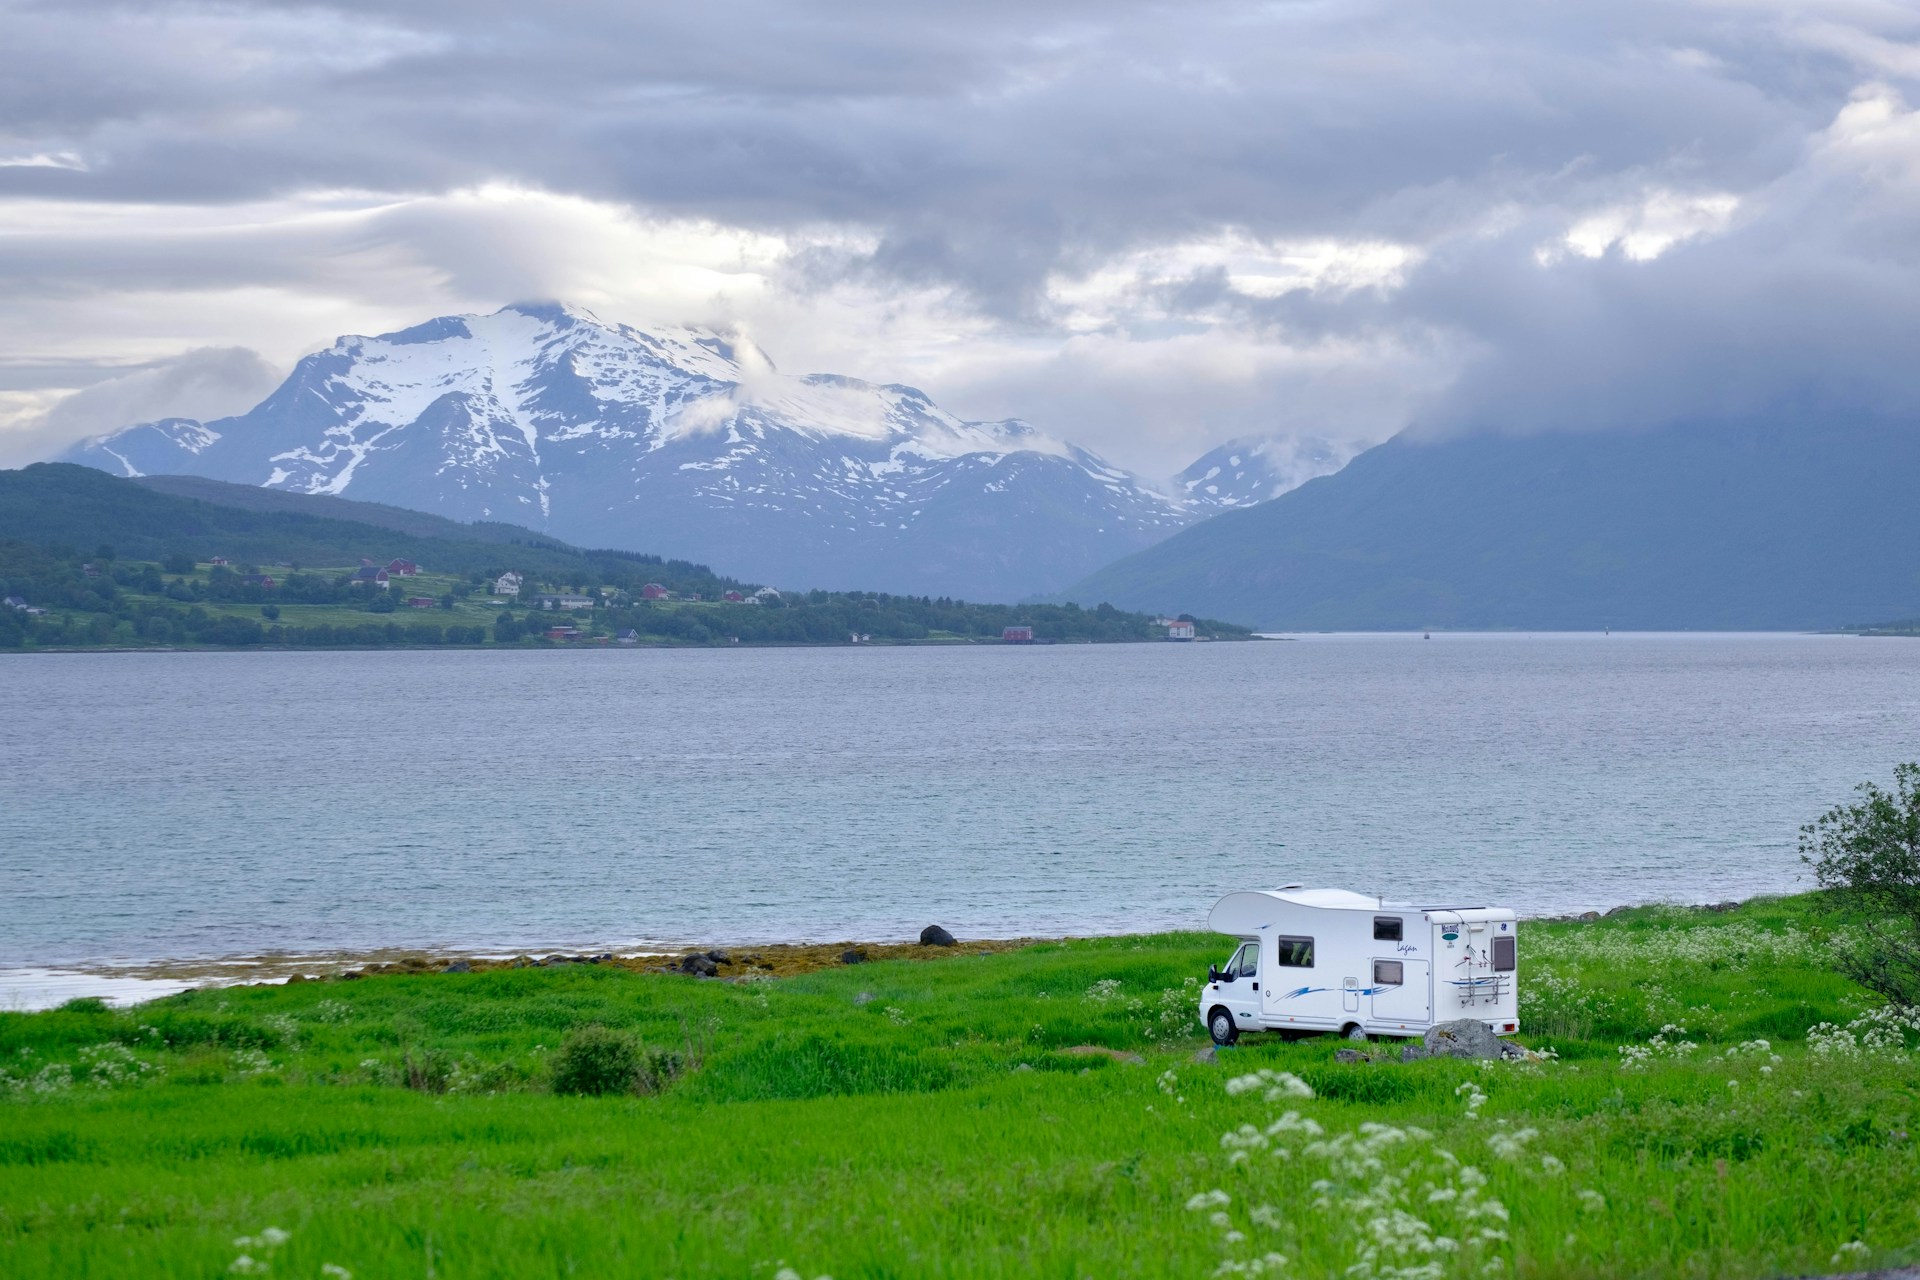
[208, 382]
[1039, 169]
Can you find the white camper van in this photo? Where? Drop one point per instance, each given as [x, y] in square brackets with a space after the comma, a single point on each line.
[1330, 960]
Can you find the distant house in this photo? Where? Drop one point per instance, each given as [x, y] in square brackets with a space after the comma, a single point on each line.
[563, 602]
[507, 584]
[1180, 630]
[220, 560]
[264, 581]
[654, 591]
[765, 594]
[403, 568]
[733, 597]
[13, 602]
[372, 574]
[421, 602]
[629, 636]
[92, 571]
[563, 633]
[1016, 635]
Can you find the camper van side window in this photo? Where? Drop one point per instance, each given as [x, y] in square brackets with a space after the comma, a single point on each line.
[1503, 961]
[1386, 928]
[1389, 973]
[1294, 953]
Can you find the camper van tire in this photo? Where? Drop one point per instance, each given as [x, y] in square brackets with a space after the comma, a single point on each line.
[1354, 1031]
[1220, 1026]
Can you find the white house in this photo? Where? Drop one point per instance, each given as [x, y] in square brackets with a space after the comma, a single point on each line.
[507, 584]
[1178, 630]
[1331, 960]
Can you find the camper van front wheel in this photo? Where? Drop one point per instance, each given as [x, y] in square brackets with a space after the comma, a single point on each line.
[1354, 1031]
[1220, 1027]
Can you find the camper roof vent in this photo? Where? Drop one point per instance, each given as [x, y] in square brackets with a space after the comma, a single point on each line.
[1283, 888]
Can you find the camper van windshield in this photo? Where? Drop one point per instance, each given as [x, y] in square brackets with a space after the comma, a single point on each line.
[1245, 962]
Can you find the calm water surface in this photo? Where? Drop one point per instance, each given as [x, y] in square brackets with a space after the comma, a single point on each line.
[199, 805]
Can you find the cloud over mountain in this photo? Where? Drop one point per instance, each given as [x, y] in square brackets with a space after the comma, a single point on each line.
[1185, 224]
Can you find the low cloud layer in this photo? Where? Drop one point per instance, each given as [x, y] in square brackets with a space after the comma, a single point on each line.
[1148, 228]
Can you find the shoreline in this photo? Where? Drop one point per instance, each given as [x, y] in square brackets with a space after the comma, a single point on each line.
[30, 987]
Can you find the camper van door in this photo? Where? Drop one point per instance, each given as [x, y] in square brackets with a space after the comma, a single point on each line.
[1402, 991]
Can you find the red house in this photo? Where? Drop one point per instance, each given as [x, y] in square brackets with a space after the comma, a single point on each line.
[563, 633]
[403, 568]
[653, 591]
[1016, 635]
[734, 597]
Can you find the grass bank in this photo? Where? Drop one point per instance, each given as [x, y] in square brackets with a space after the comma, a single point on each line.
[903, 1118]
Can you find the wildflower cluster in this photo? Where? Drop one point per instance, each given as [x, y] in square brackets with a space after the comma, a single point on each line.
[1682, 944]
[1169, 1016]
[1475, 1098]
[266, 1244]
[1881, 1032]
[1669, 1042]
[330, 1011]
[1275, 1085]
[113, 1063]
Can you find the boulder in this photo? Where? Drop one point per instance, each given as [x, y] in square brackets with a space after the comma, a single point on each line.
[1463, 1038]
[1352, 1055]
[719, 957]
[699, 965]
[865, 997]
[1589, 916]
[1206, 1057]
[296, 977]
[853, 956]
[934, 936]
[458, 966]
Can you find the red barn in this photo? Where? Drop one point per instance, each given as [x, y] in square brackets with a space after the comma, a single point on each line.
[403, 568]
[653, 591]
[1016, 635]
[733, 597]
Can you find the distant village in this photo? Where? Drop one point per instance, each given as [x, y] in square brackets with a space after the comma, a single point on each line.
[510, 587]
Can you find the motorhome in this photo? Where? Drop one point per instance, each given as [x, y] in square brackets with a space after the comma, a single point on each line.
[1333, 960]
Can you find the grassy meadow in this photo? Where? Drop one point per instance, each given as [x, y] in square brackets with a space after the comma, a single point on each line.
[1716, 1103]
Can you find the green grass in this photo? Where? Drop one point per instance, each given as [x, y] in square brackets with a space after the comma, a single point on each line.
[876, 1121]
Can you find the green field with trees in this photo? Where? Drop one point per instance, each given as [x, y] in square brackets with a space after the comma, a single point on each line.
[99, 561]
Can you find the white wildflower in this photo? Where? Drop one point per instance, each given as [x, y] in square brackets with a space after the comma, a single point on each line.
[1209, 1200]
[1592, 1201]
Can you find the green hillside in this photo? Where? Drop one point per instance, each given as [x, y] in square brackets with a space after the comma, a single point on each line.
[1784, 526]
[94, 560]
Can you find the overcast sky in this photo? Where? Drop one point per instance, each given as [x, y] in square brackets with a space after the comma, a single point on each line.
[1146, 228]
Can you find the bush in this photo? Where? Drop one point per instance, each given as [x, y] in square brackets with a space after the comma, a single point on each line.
[600, 1060]
[1867, 856]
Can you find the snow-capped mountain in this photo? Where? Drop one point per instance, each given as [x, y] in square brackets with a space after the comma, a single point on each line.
[1243, 472]
[679, 441]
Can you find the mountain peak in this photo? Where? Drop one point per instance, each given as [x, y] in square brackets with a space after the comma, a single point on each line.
[676, 440]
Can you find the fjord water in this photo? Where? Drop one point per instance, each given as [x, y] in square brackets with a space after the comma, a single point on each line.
[180, 805]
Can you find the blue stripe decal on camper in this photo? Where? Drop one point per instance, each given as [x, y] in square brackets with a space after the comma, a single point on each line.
[1359, 991]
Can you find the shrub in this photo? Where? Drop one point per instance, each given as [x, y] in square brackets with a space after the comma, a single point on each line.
[1867, 855]
[600, 1060]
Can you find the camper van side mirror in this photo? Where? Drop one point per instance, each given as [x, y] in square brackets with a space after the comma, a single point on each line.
[1213, 973]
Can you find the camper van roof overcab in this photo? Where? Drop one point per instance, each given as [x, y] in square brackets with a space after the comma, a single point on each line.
[1335, 960]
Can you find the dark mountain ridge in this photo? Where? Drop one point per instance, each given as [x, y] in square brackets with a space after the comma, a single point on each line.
[1785, 525]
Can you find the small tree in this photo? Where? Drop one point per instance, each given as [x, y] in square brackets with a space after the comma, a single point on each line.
[1867, 855]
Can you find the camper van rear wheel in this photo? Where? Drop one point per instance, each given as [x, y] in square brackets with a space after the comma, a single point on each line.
[1354, 1031]
[1220, 1026]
